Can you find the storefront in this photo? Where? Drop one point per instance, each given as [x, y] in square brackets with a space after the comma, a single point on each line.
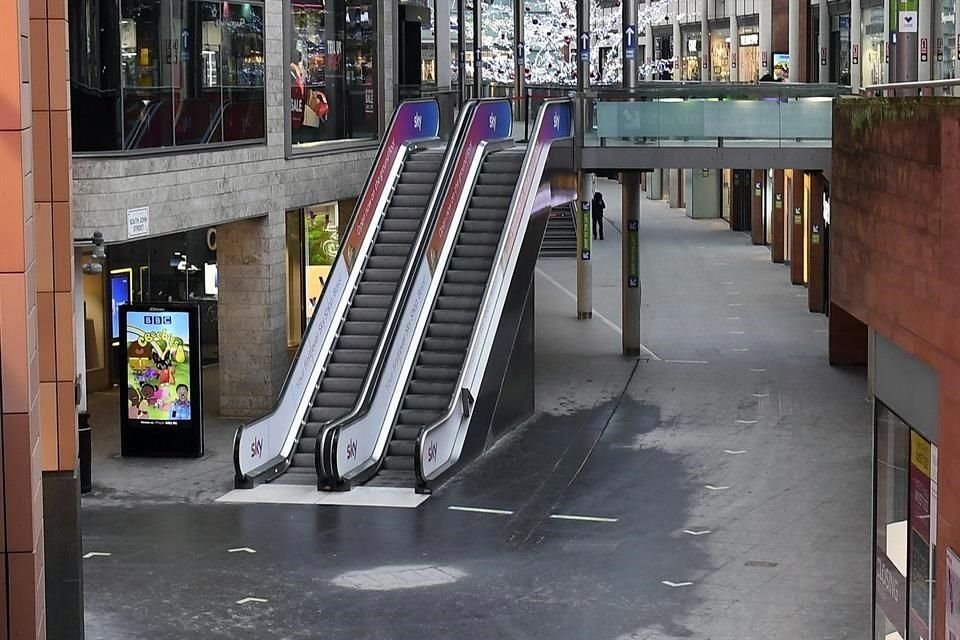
[748, 53]
[690, 56]
[663, 59]
[179, 268]
[333, 71]
[719, 54]
[905, 498]
[873, 62]
[945, 42]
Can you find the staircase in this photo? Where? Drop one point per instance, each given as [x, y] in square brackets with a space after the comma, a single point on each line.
[560, 240]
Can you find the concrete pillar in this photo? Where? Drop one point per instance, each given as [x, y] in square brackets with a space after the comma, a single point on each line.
[756, 206]
[704, 42]
[251, 314]
[766, 37]
[794, 47]
[461, 49]
[734, 49]
[705, 193]
[655, 184]
[588, 186]
[908, 44]
[847, 339]
[675, 188]
[927, 53]
[441, 22]
[778, 246]
[823, 43]
[815, 233]
[630, 263]
[629, 48]
[520, 56]
[796, 228]
[677, 47]
[856, 48]
[648, 54]
[477, 49]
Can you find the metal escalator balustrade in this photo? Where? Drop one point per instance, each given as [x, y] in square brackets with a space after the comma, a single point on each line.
[350, 449]
[265, 448]
[439, 443]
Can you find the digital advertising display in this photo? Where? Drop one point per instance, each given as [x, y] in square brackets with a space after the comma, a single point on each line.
[120, 291]
[161, 381]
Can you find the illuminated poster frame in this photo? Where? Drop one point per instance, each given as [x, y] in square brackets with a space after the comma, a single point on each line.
[161, 395]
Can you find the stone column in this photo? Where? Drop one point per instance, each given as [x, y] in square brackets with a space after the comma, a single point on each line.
[252, 314]
[927, 53]
[649, 54]
[588, 185]
[823, 43]
[777, 249]
[734, 49]
[705, 70]
[441, 21]
[856, 49]
[677, 47]
[766, 37]
[630, 263]
[794, 47]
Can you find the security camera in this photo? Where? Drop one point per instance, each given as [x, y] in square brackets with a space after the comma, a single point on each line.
[92, 268]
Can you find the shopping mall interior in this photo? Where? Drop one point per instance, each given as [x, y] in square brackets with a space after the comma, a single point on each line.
[577, 318]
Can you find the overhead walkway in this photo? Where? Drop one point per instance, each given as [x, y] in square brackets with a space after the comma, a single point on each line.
[418, 318]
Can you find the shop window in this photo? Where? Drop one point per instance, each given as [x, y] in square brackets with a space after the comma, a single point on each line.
[720, 55]
[905, 527]
[150, 74]
[333, 71]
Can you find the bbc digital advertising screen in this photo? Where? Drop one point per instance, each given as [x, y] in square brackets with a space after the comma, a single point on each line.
[161, 384]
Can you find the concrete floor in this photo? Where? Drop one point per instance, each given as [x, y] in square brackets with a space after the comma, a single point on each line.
[737, 465]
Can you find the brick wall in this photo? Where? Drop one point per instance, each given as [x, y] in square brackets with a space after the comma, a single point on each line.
[895, 229]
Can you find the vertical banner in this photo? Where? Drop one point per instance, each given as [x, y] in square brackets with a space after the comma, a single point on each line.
[161, 396]
[586, 226]
[633, 245]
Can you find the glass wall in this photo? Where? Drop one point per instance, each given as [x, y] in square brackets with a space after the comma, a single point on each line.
[945, 29]
[872, 44]
[148, 74]
[905, 524]
[333, 71]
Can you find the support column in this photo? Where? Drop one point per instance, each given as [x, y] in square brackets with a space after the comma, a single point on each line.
[795, 220]
[462, 50]
[630, 263]
[251, 314]
[847, 339]
[520, 54]
[756, 206]
[734, 49]
[766, 37]
[477, 49]
[655, 184]
[794, 46]
[777, 252]
[907, 48]
[441, 22]
[704, 42]
[816, 274]
[856, 49]
[588, 183]
[677, 48]
[648, 53]
[675, 188]
[927, 53]
[629, 48]
[823, 43]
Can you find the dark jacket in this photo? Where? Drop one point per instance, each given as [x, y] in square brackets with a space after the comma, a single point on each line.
[598, 206]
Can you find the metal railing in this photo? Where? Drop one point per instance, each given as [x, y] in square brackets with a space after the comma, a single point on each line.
[948, 88]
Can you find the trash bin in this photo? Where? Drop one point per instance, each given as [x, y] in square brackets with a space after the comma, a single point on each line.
[86, 484]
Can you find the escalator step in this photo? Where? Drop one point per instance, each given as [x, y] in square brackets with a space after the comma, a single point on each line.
[326, 400]
[341, 385]
[453, 330]
[463, 250]
[382, 275]
[487, 214]
[410, 422]
[494, 190]
[447, 374]
[444, 345]
[490, 178]
[417, 177]
[421, 166]
[368, 301]
[471, 264]
[431, 388]
[397, 237]
[405, 213]
[346, 355]
[386, 263]
[307, 445]
[466, 239]
[491, 202]
[321, 415]
[475, 225]
[453, 316]
[400, 224]
[385, 249]
[469, 303]
[377, 288]
[366, 314]
[436, 403]
[393, 478]
[402, 448]
[461, 290]
[413, 189]
[407, 201]
[398, 463]
[466, 277]
[304, 460]
[440, 359]
[353, 328]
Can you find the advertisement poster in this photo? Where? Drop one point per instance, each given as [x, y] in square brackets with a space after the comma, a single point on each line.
[953, 595]
[781, 67]
[120, 290]
[161, 412]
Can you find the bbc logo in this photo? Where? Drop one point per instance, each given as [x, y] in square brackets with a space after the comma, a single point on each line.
[157, 320]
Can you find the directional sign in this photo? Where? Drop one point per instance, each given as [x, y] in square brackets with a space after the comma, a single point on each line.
[855, 53]
[630, 42]
[585, 228]
[585, 46]
[521, 54]
[633, 245]
[939, 49]
[923, 50]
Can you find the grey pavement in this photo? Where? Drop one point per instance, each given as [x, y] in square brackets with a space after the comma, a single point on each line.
[783, 537]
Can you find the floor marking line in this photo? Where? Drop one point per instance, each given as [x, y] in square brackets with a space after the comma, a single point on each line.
[674, 585]
[686, 361]
[741, 350]
[757, 370]
[697, 533]
[560, 516]
[737, 333]
[746, 422]
[605, 320]
[243, 549]
[733, 317]
[733, 293]
[711, 487]
[734, 304]
[250, 599]
[726, 284]
[499, 512]
[736, 452]
[96, 554]
[760, 395]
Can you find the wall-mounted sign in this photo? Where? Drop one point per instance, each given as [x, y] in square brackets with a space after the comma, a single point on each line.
[633, 245]
[749, 39]
[939, 49]
[585, 226]
[763, 58]
[908, 22]
[923, 49]
[630, 42]
[161, 408]
[138, 222]
[855, 53]
[585, 46]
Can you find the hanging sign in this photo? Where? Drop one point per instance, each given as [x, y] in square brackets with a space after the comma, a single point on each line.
[939, 49]
[633, 244]
[923, 50]
[855, 53]
[630, 42]
[585, 46]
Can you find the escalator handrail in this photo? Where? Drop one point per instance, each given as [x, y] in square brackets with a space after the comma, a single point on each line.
[278, 464]
[489, 298]
[327, 439]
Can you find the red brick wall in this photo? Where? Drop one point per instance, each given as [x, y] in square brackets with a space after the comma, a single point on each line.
[895, 253]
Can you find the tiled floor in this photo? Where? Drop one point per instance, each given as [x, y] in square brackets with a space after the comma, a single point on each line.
[722, 493]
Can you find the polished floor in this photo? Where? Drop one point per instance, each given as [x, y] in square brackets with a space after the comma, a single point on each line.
[717, 489]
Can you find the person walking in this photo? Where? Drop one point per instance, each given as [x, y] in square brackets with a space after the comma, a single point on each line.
[598, 206]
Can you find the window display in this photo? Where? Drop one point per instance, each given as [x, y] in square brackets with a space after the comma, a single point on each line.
[333, 71]
[171, 73]
[720, 55]
[690, 62]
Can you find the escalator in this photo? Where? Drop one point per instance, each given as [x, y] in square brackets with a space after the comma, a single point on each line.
[444, 348]
[379, 284]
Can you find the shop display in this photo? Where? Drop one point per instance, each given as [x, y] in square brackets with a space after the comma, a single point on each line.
[781, 67]
[162, 408]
